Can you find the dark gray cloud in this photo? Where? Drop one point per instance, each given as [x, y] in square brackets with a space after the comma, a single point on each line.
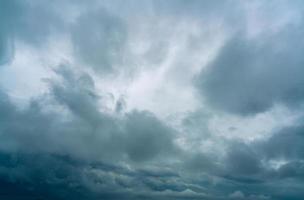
[26, 21]
[99, 39]
[249, 76]
[53, 155]
[81, 128]
[82, 152]
[64, 145]
[148, 137]
[257, 168]
[7, 21]
[286, 144]
[242, 160]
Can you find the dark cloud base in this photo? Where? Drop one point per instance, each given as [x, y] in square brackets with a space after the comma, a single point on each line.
[83, 153]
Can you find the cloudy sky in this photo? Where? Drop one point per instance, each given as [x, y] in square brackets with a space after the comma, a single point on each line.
[151, 99]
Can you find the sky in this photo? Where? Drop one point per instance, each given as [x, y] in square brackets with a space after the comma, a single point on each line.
[151, 100]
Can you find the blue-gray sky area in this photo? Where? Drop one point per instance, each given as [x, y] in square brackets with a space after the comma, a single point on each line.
[151, 100]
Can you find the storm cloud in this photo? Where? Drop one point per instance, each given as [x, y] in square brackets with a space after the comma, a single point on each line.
[252, 75]
[151, 100]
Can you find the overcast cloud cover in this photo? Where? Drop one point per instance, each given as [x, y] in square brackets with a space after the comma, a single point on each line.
[151, 99]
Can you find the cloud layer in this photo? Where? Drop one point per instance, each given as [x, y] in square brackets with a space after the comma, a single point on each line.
[151, 100]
